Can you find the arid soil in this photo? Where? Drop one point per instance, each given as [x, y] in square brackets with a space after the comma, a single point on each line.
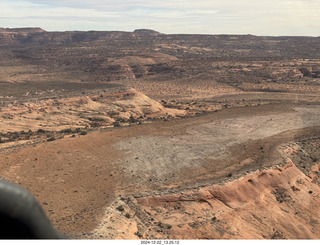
[141, 135]
[86, 175]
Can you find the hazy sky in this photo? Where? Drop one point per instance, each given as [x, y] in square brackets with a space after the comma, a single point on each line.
[259, 17]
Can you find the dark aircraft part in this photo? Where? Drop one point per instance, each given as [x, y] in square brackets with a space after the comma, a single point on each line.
[21, 216]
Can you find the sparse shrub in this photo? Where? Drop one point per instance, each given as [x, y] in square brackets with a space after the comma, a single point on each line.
[14, 136]
[51, 138]
[281, 195]
[214, 219]
[40, 130]
[277, 235]
[164, 226]
[132, 119]
[83, 133]
[66, 131]
[120, 208]
[138, 234]
[127, 215]
[116, 124]
[77, 130]
[305, 71]
[314, 221]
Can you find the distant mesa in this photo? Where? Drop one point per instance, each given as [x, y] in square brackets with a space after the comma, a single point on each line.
[38, 36]
[26, 29]
[147, 32]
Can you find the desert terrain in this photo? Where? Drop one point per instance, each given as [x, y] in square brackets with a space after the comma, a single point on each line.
[143, 135]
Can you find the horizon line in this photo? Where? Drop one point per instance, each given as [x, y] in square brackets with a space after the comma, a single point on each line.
[152, 30]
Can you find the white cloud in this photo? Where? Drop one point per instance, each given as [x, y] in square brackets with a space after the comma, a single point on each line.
[263, 17]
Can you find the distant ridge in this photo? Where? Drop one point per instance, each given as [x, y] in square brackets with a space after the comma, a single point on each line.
[147, 32]
[38, 36]
[204, 44]
[25, 29]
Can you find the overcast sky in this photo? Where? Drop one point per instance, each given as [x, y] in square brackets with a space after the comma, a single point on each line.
[258, 17]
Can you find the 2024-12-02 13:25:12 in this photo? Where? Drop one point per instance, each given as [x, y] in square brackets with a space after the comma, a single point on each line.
[161, 242]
